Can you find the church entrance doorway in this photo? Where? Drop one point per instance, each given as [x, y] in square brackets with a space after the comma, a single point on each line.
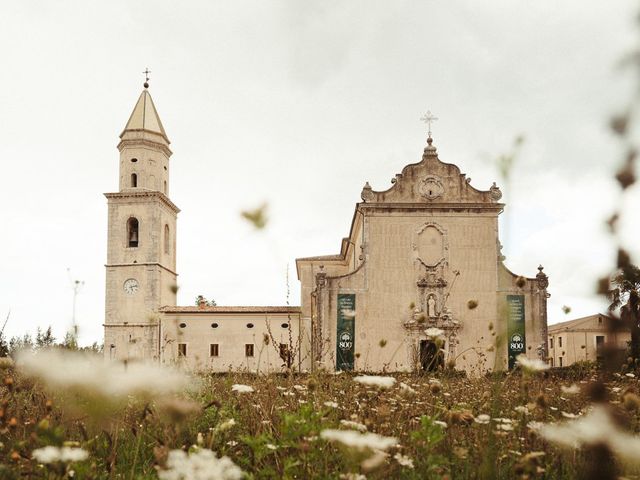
[431, 357]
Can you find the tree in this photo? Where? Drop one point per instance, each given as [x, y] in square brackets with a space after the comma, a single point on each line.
[626, 297]
[200, 299]
[46, 339]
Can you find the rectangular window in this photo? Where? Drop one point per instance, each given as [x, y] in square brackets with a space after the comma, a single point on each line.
[213, 350]
[559, 361]
[550, 343]
[551, 360]
[248, 350]
[560, 343]
[599, 341]
[182, 349]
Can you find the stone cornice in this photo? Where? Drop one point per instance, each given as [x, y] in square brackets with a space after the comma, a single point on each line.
[146, 143]
[145, 193]
[157, 264]
[420, 207]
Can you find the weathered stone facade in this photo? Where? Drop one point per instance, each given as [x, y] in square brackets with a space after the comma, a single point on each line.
[420, 256]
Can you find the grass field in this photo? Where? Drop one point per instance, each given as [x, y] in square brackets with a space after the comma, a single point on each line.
[138, 423]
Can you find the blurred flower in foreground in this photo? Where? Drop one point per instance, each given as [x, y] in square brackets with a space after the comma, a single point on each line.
[258, 217]
[359, 441]
[199, 465]
[595, 428]
[73, 371]
[531, 365]
[52, 454]
[375, 381]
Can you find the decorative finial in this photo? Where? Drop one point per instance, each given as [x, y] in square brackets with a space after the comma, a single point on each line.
[146, 77]
[428, 119]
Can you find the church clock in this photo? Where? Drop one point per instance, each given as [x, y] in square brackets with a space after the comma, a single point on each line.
[131, 286]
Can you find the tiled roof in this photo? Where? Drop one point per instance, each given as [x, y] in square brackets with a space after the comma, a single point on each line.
[231, 309]
[568, 325]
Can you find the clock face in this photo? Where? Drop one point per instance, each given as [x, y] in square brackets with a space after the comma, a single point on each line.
[131, 286]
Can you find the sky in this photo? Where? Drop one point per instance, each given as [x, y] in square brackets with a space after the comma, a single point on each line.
[298, 104]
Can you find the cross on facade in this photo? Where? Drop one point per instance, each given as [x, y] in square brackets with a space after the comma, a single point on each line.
[428, 119]
[146, 74]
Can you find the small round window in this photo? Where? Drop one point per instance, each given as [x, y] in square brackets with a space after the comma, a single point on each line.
[285, 325]
[134, 160]
[249, 325]
[214, 325]
[182, 325]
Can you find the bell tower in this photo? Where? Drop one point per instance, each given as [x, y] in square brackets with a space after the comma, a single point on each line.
[141, 247]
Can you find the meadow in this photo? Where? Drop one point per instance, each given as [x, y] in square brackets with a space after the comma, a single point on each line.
[71, 415]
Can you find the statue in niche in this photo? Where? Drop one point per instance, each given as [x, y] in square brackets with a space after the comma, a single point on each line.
[431, 306]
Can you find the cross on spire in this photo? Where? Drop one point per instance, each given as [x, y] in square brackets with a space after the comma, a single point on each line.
[428, 119]
[146, 77]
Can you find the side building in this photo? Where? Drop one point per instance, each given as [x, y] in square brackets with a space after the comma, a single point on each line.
[586, 339]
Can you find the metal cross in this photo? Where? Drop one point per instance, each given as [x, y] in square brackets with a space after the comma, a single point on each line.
[146, 74]
[428, 118]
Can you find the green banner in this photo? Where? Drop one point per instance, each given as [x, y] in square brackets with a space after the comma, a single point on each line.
[515, 327]
[346, 331]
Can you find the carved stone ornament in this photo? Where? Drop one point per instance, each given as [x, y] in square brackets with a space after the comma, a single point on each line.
[431, 187]
[367, 193]
[543, 280]
[495, 192]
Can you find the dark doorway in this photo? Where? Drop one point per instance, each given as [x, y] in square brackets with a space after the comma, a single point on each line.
[431, 357]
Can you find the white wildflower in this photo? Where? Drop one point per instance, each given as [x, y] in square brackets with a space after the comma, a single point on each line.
[53, 454]
[569, 415]
[331, 404]
[271, 446]
[352, 476]
[531, 364]
[74, 371]
[232, 443]
[376, 381]
[482, 419]
[533, 425]
[434, 332]
[571, 390]
[441, 423]
[242, 388]
[630, 375]
[353, 425]
[597, 427]
[226, 425]
[200, 465]
[507, 427]
[300, 387]
[407, 389]
[522, 409]
[403, 460]
[359, 441]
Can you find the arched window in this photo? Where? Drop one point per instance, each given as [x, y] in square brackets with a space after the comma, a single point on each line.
[165, 187]
[134, 180]
[132, 232]
[166, 239]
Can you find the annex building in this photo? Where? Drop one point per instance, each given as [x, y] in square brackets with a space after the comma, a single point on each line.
[418, 283]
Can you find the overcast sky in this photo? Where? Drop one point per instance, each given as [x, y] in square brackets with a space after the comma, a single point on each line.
[298, 103]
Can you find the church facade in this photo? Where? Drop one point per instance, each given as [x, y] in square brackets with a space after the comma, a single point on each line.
[419, 283]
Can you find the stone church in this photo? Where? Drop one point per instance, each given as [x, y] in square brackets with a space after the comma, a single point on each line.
[419, 283]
